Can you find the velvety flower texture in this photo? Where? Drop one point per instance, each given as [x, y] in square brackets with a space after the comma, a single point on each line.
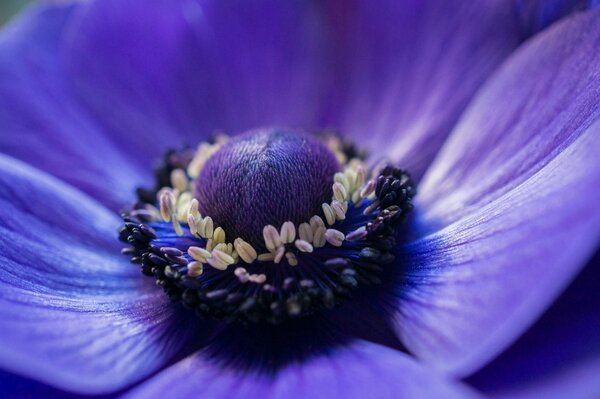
[493, 106]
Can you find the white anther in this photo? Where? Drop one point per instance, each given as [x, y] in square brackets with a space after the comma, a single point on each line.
[220, 260]
[210, 244]
[303, 246]
[245, 250]
[279, 254]
[183, 205]
[179, 180]
[167, 201]
[222, 247]
[360, 176]
[271, 237]
[338, 210]
[257, 278]
[195, 269]
[356, 198]
[305, 232]
[316, 222]
[340, 177]
[291, 258]
[288, 233]
[193, 209]
[208, 227]
[219, 235]
[334, 237]
[199, 254]
[242, 274]
[192, 224]
[368, 189]
[329, 213]
[339, 192]
[319, 237]
[357, 234]
[266, 257]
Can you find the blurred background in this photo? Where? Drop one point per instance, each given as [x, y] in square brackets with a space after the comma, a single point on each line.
[10, 7]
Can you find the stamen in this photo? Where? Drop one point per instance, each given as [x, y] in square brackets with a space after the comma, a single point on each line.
[309, 264]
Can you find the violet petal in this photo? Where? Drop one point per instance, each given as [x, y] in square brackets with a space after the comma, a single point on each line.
[356, 371]
[73, 312]
[516, 191]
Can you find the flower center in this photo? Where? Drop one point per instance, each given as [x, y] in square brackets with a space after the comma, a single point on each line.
[265, 177]
[268, 226]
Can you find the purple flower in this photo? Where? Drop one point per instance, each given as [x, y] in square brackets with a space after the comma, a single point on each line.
[493, 108]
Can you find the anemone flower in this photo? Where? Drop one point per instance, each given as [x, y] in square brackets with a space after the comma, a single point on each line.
[318, 199]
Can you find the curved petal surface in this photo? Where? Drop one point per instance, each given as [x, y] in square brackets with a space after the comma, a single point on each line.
[559, 356]
[166, 71]
[73, 313]
[517, 192]
[357, 371]
[405, 71]
[43, 125]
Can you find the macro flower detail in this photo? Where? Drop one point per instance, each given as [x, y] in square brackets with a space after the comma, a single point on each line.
[288, 199]
[287, 229]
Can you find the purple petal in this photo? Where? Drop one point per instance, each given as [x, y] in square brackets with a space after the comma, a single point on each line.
[517, 192]
[166, 69]
[360, 370]
[560, 354]
[406, 70]
[41, 123]
[73, 313]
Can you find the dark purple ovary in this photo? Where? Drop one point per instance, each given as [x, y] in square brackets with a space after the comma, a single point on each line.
[266, 176]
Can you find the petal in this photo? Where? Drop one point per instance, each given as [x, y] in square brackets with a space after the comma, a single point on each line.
[356, 371]
[406, 70]
[160, 70]
[560, 354]
[73, 313]
[522, 172]
[42, 124]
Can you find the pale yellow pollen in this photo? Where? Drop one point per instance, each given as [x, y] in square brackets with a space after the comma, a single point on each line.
[319, 237]
[166, 200]
[219, 235]
[245, 250]
[193, 209]
[341, 177]
[288, 232]
[179, 180]
[207, 227]
[271, 237]
[279, 254]
[222, 247]
[183, 206]
[338, 210]
[339, 192]
[199, 254]
[316, 222]
[305, 232]
[192, 224]
[266, 257]
[334, 237]
[329, 213]
[195, 269]
[291, 258]
[222, 257]
[303, 246]
[360, 176]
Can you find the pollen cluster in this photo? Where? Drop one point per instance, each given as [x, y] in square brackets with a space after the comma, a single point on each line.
[284, 269]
